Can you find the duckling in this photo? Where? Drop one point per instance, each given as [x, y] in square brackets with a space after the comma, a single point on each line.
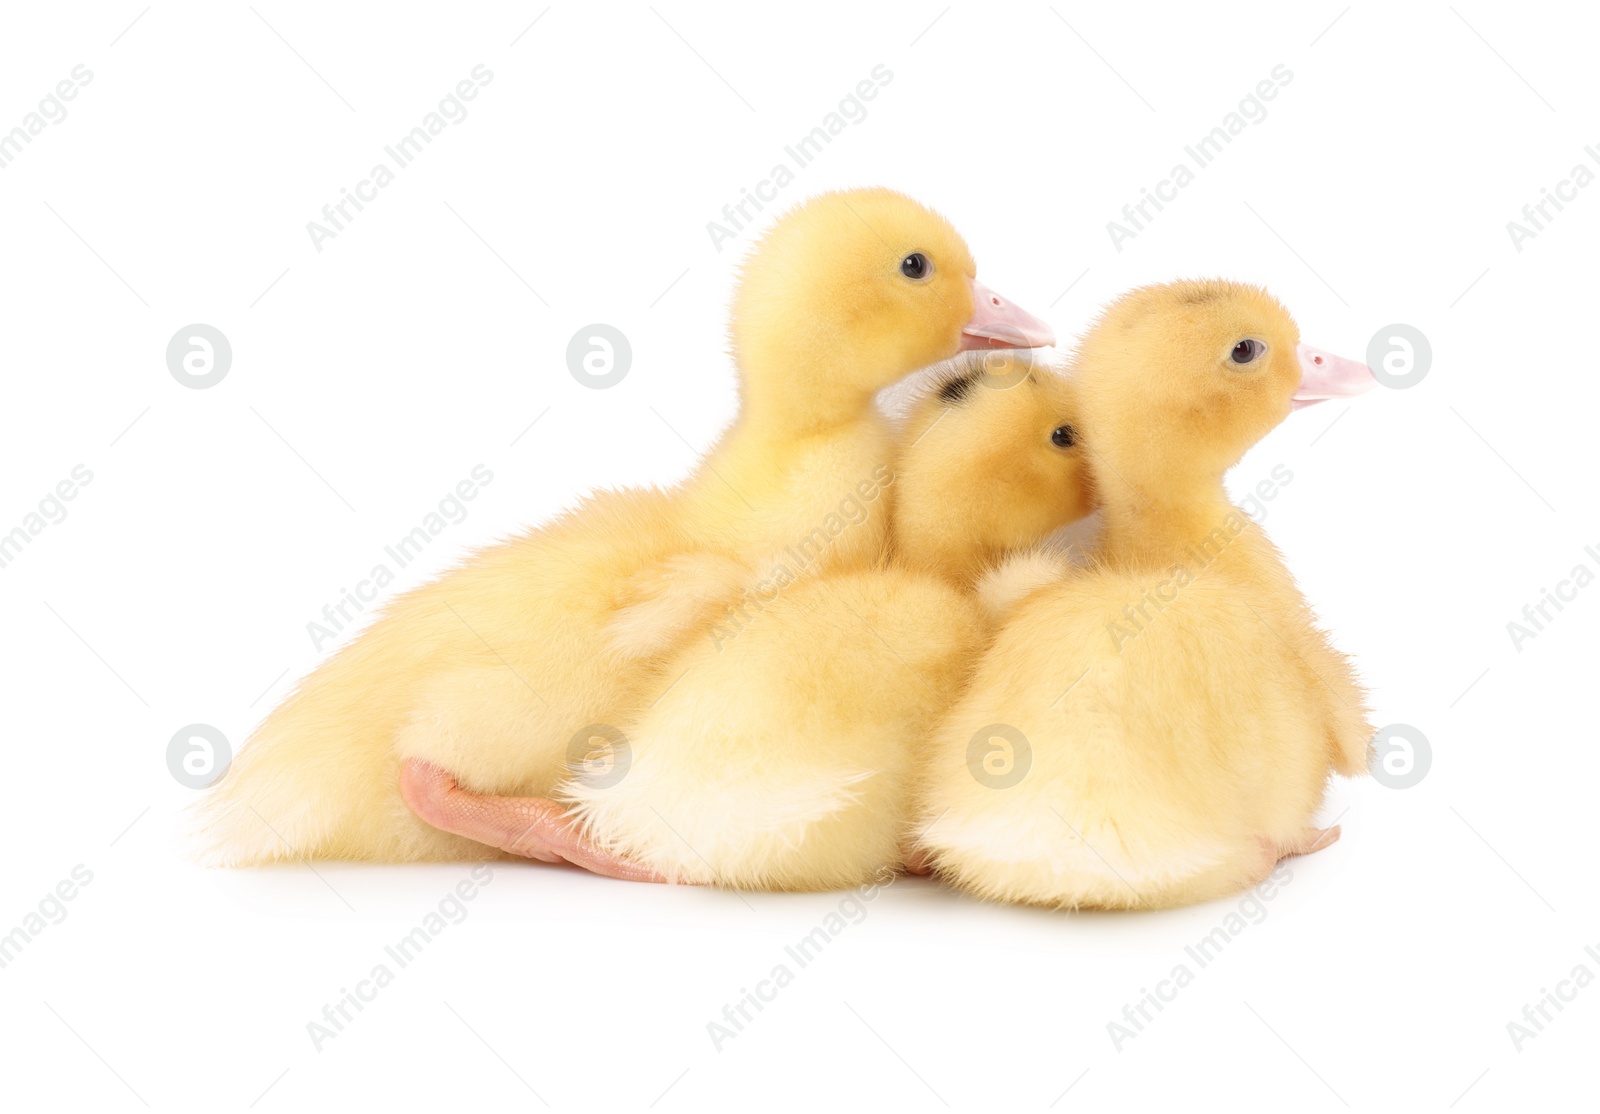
[1171, 711]
[781, 753]
[477, 682]
[687, 591]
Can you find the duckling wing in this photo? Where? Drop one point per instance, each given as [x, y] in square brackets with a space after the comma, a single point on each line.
[664, 602]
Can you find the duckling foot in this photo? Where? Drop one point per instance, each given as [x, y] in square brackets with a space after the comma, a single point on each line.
[916, 860]
[532, 827]
[1271, 851]
[1309, 841]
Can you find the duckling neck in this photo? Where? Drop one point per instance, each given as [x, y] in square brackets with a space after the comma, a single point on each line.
[951, 559]
[1153, 527]
[793, 425]
[803, 398]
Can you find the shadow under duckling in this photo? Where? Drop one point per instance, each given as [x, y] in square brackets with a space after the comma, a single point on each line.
[782, 753]
[489, 671]
[1171, 713]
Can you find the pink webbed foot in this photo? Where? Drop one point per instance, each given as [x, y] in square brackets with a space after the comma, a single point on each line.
[532, 827]
[1309, 841]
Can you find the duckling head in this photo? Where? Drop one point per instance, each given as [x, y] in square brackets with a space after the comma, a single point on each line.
[1178, 381]
[990, 461]
[853, 290]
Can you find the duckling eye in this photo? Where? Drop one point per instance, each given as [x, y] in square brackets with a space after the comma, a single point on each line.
[1247, 351]
[916, 266]
[1064, 437]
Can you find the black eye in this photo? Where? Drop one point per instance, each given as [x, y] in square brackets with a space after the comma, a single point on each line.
[1064, 437]
[1247, 350]
[916, 266]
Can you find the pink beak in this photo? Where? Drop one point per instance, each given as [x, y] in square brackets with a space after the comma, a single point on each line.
[997, 323]
[1324, 375]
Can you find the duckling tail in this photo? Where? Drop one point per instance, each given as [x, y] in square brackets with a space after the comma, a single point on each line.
[263, 810]
[318, 779]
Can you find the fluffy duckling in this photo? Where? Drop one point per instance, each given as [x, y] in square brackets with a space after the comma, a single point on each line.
[977, 481]
[780, 756]
[493, 670]
[1167, 718]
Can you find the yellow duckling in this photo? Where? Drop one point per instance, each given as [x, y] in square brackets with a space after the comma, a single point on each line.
[780, 757]
[1158, 728]
[491, 671]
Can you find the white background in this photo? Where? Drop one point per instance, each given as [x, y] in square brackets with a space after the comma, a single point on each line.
[369, 378]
